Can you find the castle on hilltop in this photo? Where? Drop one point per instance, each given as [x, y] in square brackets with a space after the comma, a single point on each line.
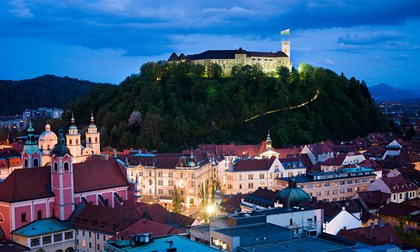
[227, 59]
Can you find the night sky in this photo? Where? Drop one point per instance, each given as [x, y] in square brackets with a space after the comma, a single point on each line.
[108, 40]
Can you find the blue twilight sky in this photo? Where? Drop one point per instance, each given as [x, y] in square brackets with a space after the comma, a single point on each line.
[108, 40]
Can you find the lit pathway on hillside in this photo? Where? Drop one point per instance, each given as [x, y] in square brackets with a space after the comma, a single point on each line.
[284, 109]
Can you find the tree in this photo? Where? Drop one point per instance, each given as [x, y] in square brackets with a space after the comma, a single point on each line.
[176, 201]
[135, 119]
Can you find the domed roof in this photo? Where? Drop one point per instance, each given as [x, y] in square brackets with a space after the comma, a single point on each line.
[291, 196]
[60, 148]
[48, 135]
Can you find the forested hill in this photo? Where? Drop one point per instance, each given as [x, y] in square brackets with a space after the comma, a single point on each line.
[43, 91]
[173, 106]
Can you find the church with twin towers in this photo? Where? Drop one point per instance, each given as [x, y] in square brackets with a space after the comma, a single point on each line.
[38, 153]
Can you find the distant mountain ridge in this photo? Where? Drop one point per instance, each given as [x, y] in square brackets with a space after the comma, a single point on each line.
[384, 92]
[43, 91]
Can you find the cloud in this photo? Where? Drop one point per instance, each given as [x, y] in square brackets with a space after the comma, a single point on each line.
[20, 9]
[369, 38]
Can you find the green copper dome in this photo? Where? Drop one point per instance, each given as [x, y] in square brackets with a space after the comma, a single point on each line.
[291, 196]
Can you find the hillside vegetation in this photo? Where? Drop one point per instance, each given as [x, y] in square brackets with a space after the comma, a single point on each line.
[169, 107]
[44, 91]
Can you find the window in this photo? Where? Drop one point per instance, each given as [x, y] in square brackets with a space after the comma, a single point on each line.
[104, 237]
[36, 163]
[150, 173]
[97, 236]
[55, 166]
[23, 217]
[229, 186]
[83, 233]
[171, 174]
[58, 237]
[39, 214]
[98, 247]
[90, 234]
[160, 191]
[66, 166]
[68, 235]
[250, 185]
[170, 183]
[250, 176]
[240, 186]
[193, 183]
[262, 176]
[160, 174]
[171, 192]
[90, 245]
[150, 182]
[181, 175]
[46, 239]
[35, 242]
[160, 182]
[349, 189]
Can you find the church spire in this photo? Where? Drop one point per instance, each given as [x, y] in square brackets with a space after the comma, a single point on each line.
[268, 141]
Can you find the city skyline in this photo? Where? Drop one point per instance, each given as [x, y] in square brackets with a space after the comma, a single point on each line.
[106, 41]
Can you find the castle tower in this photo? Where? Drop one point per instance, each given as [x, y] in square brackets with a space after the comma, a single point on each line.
[31, 155]
[62, 179]
[93, 137]
[285, 42]
[73, 141]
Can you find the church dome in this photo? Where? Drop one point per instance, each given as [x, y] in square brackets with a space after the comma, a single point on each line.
[291, 196]
[47, 138]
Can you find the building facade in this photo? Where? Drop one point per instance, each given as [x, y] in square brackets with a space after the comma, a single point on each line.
[333, 186]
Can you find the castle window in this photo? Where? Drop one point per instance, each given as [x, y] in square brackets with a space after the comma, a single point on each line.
[77, 141]
[39, 214]
[26, 162]
[71, 142]
[66, 166]
[55, 166]
[96, 139]
[36, 163]
[89, 140]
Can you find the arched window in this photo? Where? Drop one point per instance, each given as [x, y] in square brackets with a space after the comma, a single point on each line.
[71, 142]
[96, 139]
[48, 147]
[55, 166]
[77, 141]
[36, 163]
[90, 140]
[26, 162]
[66, 166]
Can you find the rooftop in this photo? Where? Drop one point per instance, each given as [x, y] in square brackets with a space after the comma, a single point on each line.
[43, 226]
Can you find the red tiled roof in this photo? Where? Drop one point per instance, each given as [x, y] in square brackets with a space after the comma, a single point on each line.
[252, 165]
[26, 184]
[158, 213]
[104, 219]
[397, 210]
[3, 163]
[399, 184]
[335, 161]
[97, 173]
[147, 226]
[34, 183]
[374, 199]
[372, 236]
[233, 203]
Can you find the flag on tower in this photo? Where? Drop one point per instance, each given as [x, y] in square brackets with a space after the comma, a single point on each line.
[285, 32]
